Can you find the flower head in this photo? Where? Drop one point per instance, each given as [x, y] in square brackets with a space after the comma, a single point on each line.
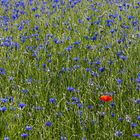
[52, 100]
[2, 71]
[119, 81]
[24, 135]
[138, 118]
[136, 135]
[133, 125]
[29, 127]
[6, 138]
[48, 123]
[106, 98]
[22, 105]
[71, 89]
[3, 109]
[102, 69]
[118, 133]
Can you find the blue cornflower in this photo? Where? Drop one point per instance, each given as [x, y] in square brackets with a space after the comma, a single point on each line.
[80, 105]
[69, 48]
[56, 41]
[90, 106]
[24, 135]
[2, 71]
[108, 24]
[109, 21]
[136, 135]
[123, 57]
[119, 81]
[98, 62]
[6, 138]
[137, 101]
[3, 109]
[4, 100]
[71, 89]
[134, 23]
[77, 42]
[136, 7]
[29, 128]
[44, 65]
[138, 118]
[125, 27]
[36, 27]
[102, 69]
[76, 58]
[49, 61]
[24, 91]
[89, 47]
[73, 103]
[22, 12]
[80, 21]
[48, 123]
[88, 18]
[112, 104]
[138, 80]
[22, 105]
[119, 41]
[95, 74]
[37, 15]
[75, 99]
[113, 115]
[130, 17]
[112, 31]
[16, 45]
[93, 38]
[107, 47]
[133, 125]
[20, 27]
[121, 8]
[11, 78]
[34, 8]
[120, 53]
[118, 133]
[88, 69]
[52, 100]
[15, 16]
[120, 119]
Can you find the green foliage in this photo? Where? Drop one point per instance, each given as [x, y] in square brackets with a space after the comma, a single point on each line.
[43, 68]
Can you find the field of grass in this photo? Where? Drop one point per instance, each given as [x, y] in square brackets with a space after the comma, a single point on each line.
[58, 58]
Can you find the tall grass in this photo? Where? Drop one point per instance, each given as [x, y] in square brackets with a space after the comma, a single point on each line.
[57, 58]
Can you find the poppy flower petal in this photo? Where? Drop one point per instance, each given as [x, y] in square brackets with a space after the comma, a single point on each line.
[106, 98]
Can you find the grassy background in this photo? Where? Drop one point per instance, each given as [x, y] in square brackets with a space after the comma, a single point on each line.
[42, 66]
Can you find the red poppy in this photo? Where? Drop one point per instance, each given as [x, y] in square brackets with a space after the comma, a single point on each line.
[106, 98]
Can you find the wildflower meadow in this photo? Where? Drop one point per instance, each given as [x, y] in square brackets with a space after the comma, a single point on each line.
[69, 69]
